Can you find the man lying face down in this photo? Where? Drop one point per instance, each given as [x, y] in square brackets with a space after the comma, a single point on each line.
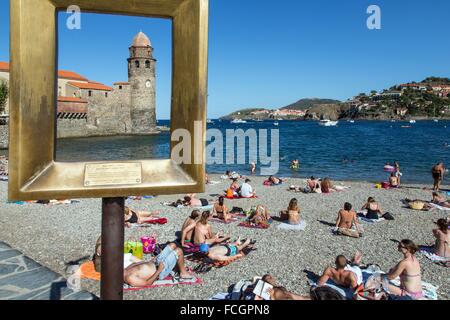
[144, 273]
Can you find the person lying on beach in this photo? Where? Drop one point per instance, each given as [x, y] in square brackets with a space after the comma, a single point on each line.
[190, 200]
[326, 186]
[203, 232]
[138, 217]
[246, 190]
[292, 214]
[225, 252]
[231, 175]
[440, 200]
[438, 175]
[187, 230]
[312, 185]
[393, 181]
[373, 209]
[260, 215]
[442, 235]
[409, 272]
[278, 292]
[221, 211]
[346, 274]
[145, 273]
[346, 220]
[275, 181]
[417, 204]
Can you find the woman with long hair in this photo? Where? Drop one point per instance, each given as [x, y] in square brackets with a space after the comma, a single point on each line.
[221, 211]
[442, 236]
[292, 214]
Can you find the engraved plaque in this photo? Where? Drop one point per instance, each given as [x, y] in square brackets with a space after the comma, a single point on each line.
[116, 173]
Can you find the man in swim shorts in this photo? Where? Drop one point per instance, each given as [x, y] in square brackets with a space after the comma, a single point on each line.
[438, 175]
[225, 252]
[345, 274]
[145, 273]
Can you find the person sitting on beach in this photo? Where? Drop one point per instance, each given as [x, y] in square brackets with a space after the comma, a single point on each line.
[409, 272]
[326, 186]
[235, 187]
[393, 181]
[145, 273]
[442, 235]
[275, 181]
[346, 220]
[137, 217]
[373, 209]
[312, 185]
[222, 211]
[190, 200]
[345, 274]
[187, 230]
[225, 252]
[438, 175]
[292, 214]
[440, 200]
[260, 215]
[246, 190]
[203, 231]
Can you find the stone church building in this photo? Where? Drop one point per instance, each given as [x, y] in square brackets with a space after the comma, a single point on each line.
[89, 108]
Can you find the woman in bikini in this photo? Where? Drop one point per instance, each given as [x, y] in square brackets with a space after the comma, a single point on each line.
[326, 186]
[346, 220]
[409, 272]
[442, 247]
[440, 200]
[221, 211]
[373, 209]
[292, 214]
[138, 217]
[260, 216]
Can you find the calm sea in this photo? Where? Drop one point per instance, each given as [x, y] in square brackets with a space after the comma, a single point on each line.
[350, 151]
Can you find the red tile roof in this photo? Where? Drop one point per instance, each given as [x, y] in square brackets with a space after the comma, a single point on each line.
[71, 99]
[90, 85]
[4, 66]
[63, 74]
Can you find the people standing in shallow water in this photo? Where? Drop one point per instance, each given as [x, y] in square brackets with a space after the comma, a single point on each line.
[438, 175]
[442, 235]
[409, 272]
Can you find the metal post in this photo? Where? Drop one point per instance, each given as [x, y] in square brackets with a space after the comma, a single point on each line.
[111, 286]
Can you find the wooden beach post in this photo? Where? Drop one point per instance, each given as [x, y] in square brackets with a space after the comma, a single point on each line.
[35, 174]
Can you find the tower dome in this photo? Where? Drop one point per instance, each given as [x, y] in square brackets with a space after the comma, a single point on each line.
[141, 40]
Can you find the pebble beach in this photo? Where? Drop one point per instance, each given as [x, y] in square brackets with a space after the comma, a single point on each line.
[56, 236]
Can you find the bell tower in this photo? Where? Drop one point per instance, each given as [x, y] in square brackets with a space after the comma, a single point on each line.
[141, 75]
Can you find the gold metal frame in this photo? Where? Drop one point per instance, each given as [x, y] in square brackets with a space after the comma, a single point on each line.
[33, 173]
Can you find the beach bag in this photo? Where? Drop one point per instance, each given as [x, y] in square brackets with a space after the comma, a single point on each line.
[135, 248]
[148, 244]
[388, 216]
[239, 289]
[230, 194]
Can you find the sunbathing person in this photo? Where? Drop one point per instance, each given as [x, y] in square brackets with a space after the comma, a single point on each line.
[279, 292]
[246, 190]
[139, 217]
[442, 235]
[312, 185]
[275, 181]
[221, 211]
[409, 272]
[203, 231]
[373, 209]
[260, 215]
[292, 214]
[190, 200]
[345, 221]
[145, 273]
[235, 187]
[393, 180]
[187, 230]
[440, 200]
[326, 186]
[225, 252]
[345, 274]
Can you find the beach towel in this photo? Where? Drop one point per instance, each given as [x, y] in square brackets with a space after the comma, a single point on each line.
[248, 224]
[231, 220]
[220, 296]
[205, 264]
[205, 208]
[239, 197]
[169, 281]
[214, 182]
[364, 219]
[87, 271]
[293, 227]
[428, 252]
[190, 248]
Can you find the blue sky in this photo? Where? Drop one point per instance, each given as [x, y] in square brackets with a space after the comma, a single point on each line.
[271, 53]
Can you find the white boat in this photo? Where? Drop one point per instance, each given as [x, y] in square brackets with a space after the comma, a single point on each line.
[328, 123]
[412, 121]
[352, 121]
[436, 120]
[238, 121]
[276, 123]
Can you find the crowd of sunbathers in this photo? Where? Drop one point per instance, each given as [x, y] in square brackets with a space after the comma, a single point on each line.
[316, 185]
